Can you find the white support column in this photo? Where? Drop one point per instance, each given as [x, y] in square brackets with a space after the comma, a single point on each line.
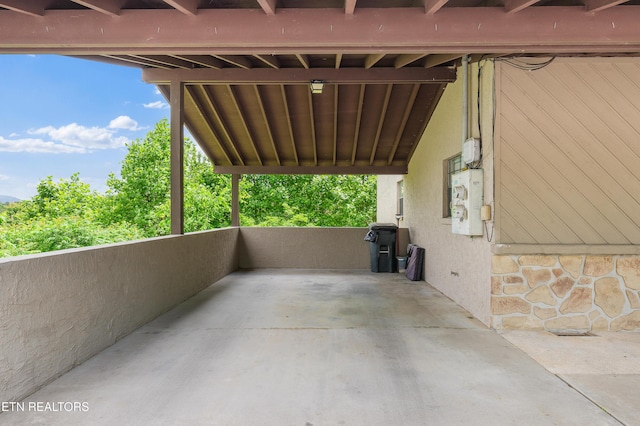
[235, 200]
[177, 157]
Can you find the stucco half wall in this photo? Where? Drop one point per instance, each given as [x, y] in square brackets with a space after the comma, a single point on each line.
[59, 309]
[314, 248]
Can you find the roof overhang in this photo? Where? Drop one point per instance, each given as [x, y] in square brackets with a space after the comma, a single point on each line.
[246, 64]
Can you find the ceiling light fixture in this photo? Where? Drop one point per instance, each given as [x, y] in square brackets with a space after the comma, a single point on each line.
[316, 86]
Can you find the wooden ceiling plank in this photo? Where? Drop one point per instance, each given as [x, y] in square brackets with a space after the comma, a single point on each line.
[381, 120]
[223, 125]
[406, 59]
[243, 121]
[304, 60]
[138, 60]
[289, 124]
[309, 170]
[349, 6]
[435, 60]
[270, 60]
[167, 60]
[405, 117]
[188, 7]
[267, 124]
[201, 112]
[357, 124]
[108, 7]
[514, 6]
[302, 76]
[432, 6]
[202, 60]
[469, 30]
[237, 60]
[312, 124]
[598, 5]
[336, 90]
[269, 6]
[33, 8]
[371, 60]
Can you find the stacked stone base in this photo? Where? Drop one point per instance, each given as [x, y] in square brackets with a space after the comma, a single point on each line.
[566, 293]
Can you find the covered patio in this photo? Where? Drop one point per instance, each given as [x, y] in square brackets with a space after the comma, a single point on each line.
[310, 347]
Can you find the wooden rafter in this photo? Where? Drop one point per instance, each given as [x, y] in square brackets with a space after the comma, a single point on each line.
[243, 122]
[403, 60]
[371, 60]
[32, 9]
[191, 92]
[598, 5]
[238, 61]
[405, 117]
[269, 6]
[268, 126]
[349, 6]
[289, 124]
[356, 136]
[270, 60]
[513, 6]
[202, 60]
[108, 7]
[188, 7]
[304, 60]
[381, 120]
[223, 125]
[432, 6]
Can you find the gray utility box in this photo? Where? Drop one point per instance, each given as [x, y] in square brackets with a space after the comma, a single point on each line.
[382, 245]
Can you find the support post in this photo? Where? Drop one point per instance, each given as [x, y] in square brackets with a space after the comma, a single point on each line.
[176, 96]
[235, 199]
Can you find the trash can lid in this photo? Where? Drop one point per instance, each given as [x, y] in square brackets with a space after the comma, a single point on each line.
[382, 226]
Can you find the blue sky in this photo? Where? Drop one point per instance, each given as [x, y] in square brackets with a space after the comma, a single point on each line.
[60, 115]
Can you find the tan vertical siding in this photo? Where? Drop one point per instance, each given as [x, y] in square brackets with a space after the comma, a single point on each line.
[569, 150]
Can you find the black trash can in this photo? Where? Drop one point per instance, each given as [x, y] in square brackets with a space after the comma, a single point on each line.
[382, 246]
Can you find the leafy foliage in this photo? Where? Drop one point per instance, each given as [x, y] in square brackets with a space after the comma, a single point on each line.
[68, 214]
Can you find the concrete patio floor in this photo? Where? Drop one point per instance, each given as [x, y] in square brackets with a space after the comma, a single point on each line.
[307, 347]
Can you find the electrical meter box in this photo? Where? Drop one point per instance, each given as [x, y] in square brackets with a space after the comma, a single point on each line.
[467, 199]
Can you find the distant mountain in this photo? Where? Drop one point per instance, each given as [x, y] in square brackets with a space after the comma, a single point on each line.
[8, 199]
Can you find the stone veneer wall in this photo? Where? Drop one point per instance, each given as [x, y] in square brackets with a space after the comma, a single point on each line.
[572, 293]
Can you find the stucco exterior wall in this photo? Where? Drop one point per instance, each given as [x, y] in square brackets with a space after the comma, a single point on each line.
[315, 248]
[59, 309]
[459, 266]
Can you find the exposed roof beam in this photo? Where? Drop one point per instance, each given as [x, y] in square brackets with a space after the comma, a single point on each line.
[108, 7]
[167, 60]
[191, 92]
[290, 126]
[468, 30]
[188, 7]
[217, 116]
[321, 170]
[338, 60]
[405, 117]
[301, 76]
[312, 126]
[304, 60]
[435, 60]
[381, 120]
[403, 60]
[31, 9]
[265, 119]
[371, 60]
[513, 6]
[269, 6]
[349, 6]
[243, 121]
[270, 60]
[138, 60]
[203, 60]
[357, 124]
[432, 6]
[238, 61]
[598, 5]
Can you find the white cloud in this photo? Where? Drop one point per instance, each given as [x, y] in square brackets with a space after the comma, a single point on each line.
[156, 105]
[37, 146]
[86, 138]
[4, 177]
[157, 91]
[124, 122]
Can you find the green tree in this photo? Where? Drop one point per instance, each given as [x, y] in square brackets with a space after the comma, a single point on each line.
[141, 195]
